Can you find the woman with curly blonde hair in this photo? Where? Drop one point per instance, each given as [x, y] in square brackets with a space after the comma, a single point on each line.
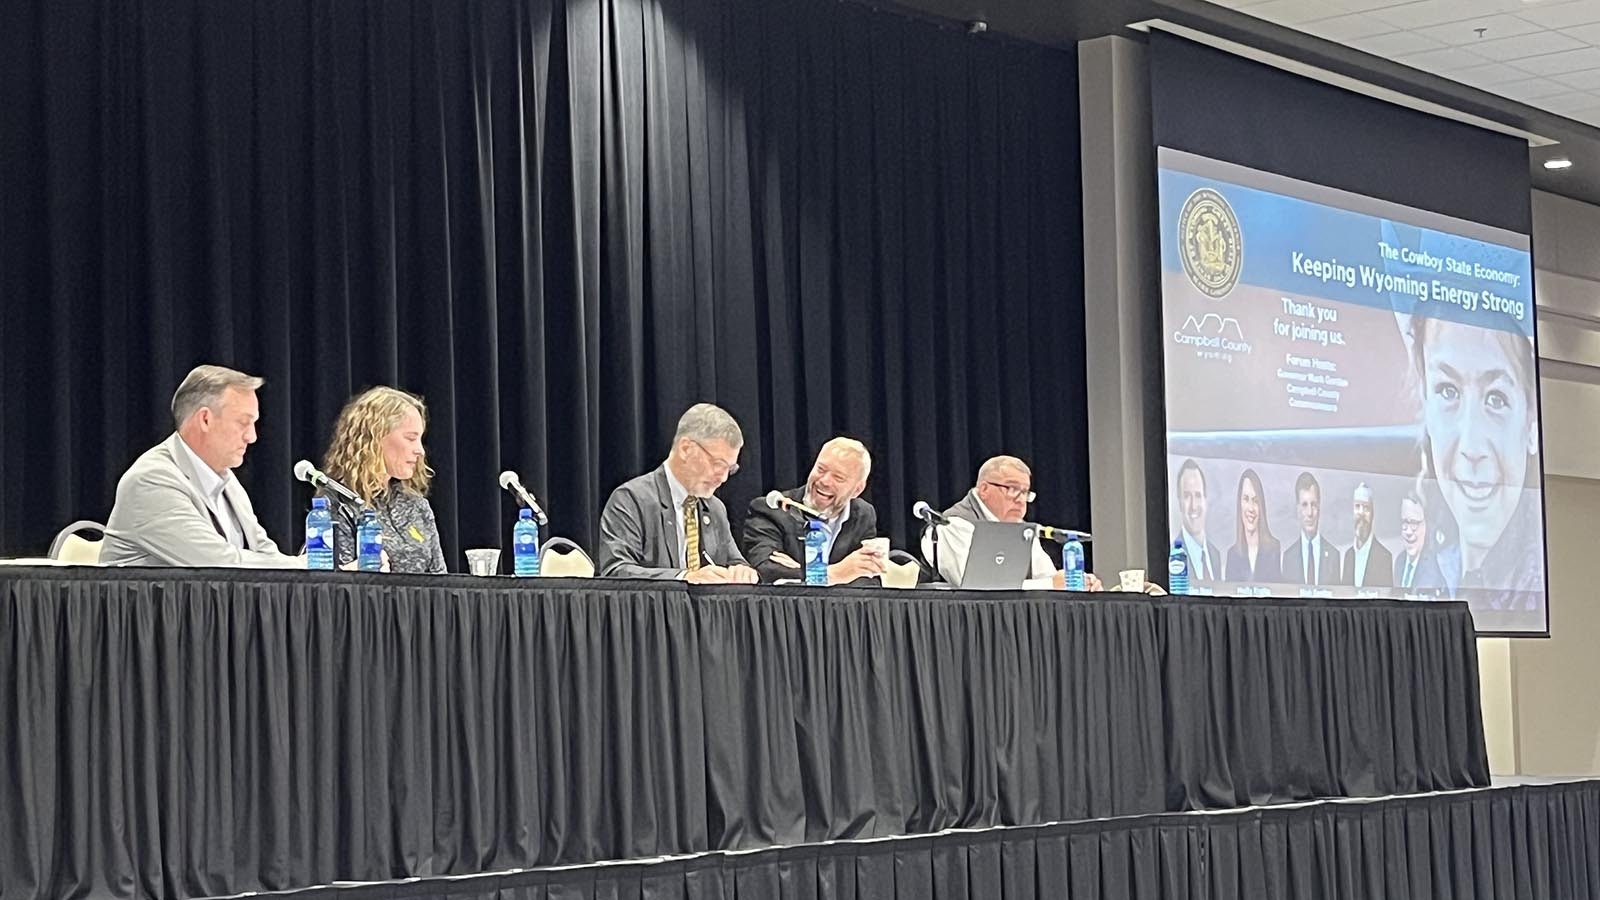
[376, 451]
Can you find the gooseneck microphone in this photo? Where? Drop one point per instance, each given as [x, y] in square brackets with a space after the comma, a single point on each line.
[315, 477]
[509, 481]
[776, 499]
[1052, 533]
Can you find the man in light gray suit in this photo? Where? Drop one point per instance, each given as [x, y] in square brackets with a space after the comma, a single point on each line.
[179, 504]
[666, 523]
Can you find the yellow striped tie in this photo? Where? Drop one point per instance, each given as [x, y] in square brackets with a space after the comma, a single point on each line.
[691, 533]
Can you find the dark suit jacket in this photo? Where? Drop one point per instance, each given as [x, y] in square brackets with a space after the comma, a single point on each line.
[1213, 556]
[1269, 563]
[1380, 566]
[1427, 576]
[769, 531]
[1294, 569]
[639, 531]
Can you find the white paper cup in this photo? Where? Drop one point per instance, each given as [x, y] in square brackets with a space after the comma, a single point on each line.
[1131, 581]
[483, 562]
[878, 545]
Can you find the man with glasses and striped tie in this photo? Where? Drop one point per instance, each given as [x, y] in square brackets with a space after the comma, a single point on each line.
[666, 523]
[1002, 494]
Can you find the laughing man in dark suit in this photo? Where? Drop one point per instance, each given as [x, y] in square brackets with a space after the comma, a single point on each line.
[774, 539]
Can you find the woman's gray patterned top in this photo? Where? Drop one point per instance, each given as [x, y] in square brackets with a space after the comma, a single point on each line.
[410, 534]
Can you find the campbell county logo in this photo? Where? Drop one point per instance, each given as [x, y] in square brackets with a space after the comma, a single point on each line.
[1213, 248]
[1213, 337]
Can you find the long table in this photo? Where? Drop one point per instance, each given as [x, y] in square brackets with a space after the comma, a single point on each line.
[187, 733]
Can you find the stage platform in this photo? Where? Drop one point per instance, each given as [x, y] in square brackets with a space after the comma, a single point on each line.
[1528, 839]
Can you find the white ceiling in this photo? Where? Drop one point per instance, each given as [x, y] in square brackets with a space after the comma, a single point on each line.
[1545, 53]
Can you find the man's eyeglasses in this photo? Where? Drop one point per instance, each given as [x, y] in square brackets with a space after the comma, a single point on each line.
[1013, 492]
[721, 467]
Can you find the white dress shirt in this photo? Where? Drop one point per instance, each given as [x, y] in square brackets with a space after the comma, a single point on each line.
[679, 495]
[1201, 565]
[1362, 552]
[211, 486]
[830, 527]
[955, 539]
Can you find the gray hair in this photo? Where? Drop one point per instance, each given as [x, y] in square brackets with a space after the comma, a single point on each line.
[709, 422]
[854, 447]
[992, 468]
[203, 386]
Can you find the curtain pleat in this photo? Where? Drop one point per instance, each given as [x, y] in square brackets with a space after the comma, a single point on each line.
[560, 222]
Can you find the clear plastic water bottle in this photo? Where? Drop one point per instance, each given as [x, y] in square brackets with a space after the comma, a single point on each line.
[525, 544]
[319, 536]
[369, 543]
[816, 553]
[1178, 569]
[1072, 562]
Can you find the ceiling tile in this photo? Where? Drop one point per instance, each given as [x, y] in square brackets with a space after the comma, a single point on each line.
[1445, 60]
[1570, 102]
[1289, 12]
[1525, 45]
[1558, 63]
[1396, 43]
[1587, 116]
[1531, 89]
[1464, 32]
[1424, 13]
[1587, 80]
[1348, 28]
[1487, 76]
[1369, 5]
[1561, 15]
[1589, 34]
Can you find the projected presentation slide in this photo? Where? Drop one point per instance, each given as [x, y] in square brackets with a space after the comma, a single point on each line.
[1351, 396]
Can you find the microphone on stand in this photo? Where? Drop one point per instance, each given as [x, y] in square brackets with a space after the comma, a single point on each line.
[1052, 533]
[928, 514]
[776, 499]
[315, 477]
[509, 481]
[933, 518]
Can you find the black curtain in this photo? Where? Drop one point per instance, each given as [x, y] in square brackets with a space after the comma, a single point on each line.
[561, 221]
[1518, 843]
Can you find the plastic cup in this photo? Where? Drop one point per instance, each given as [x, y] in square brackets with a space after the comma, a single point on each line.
[483, 562]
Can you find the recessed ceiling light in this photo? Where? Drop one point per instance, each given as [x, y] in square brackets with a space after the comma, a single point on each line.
[1560, 162]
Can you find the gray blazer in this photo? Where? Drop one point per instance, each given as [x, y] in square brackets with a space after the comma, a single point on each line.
[161, 519]
[639, 531]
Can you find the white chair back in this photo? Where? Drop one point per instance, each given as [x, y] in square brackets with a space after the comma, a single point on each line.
[902, 574]
[561, 558]
[69, 547]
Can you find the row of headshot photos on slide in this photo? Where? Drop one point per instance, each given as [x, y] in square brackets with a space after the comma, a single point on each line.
[1256, 556]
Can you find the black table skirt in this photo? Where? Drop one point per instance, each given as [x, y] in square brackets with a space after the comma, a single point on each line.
[208, 732]
[1518, 843]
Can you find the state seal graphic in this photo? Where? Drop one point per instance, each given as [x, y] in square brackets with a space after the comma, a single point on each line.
[1212, 247]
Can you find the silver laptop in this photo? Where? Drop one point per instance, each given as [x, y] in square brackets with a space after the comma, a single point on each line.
[999, 557]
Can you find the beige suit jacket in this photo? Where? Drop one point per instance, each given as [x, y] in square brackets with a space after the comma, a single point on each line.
[161, 519]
